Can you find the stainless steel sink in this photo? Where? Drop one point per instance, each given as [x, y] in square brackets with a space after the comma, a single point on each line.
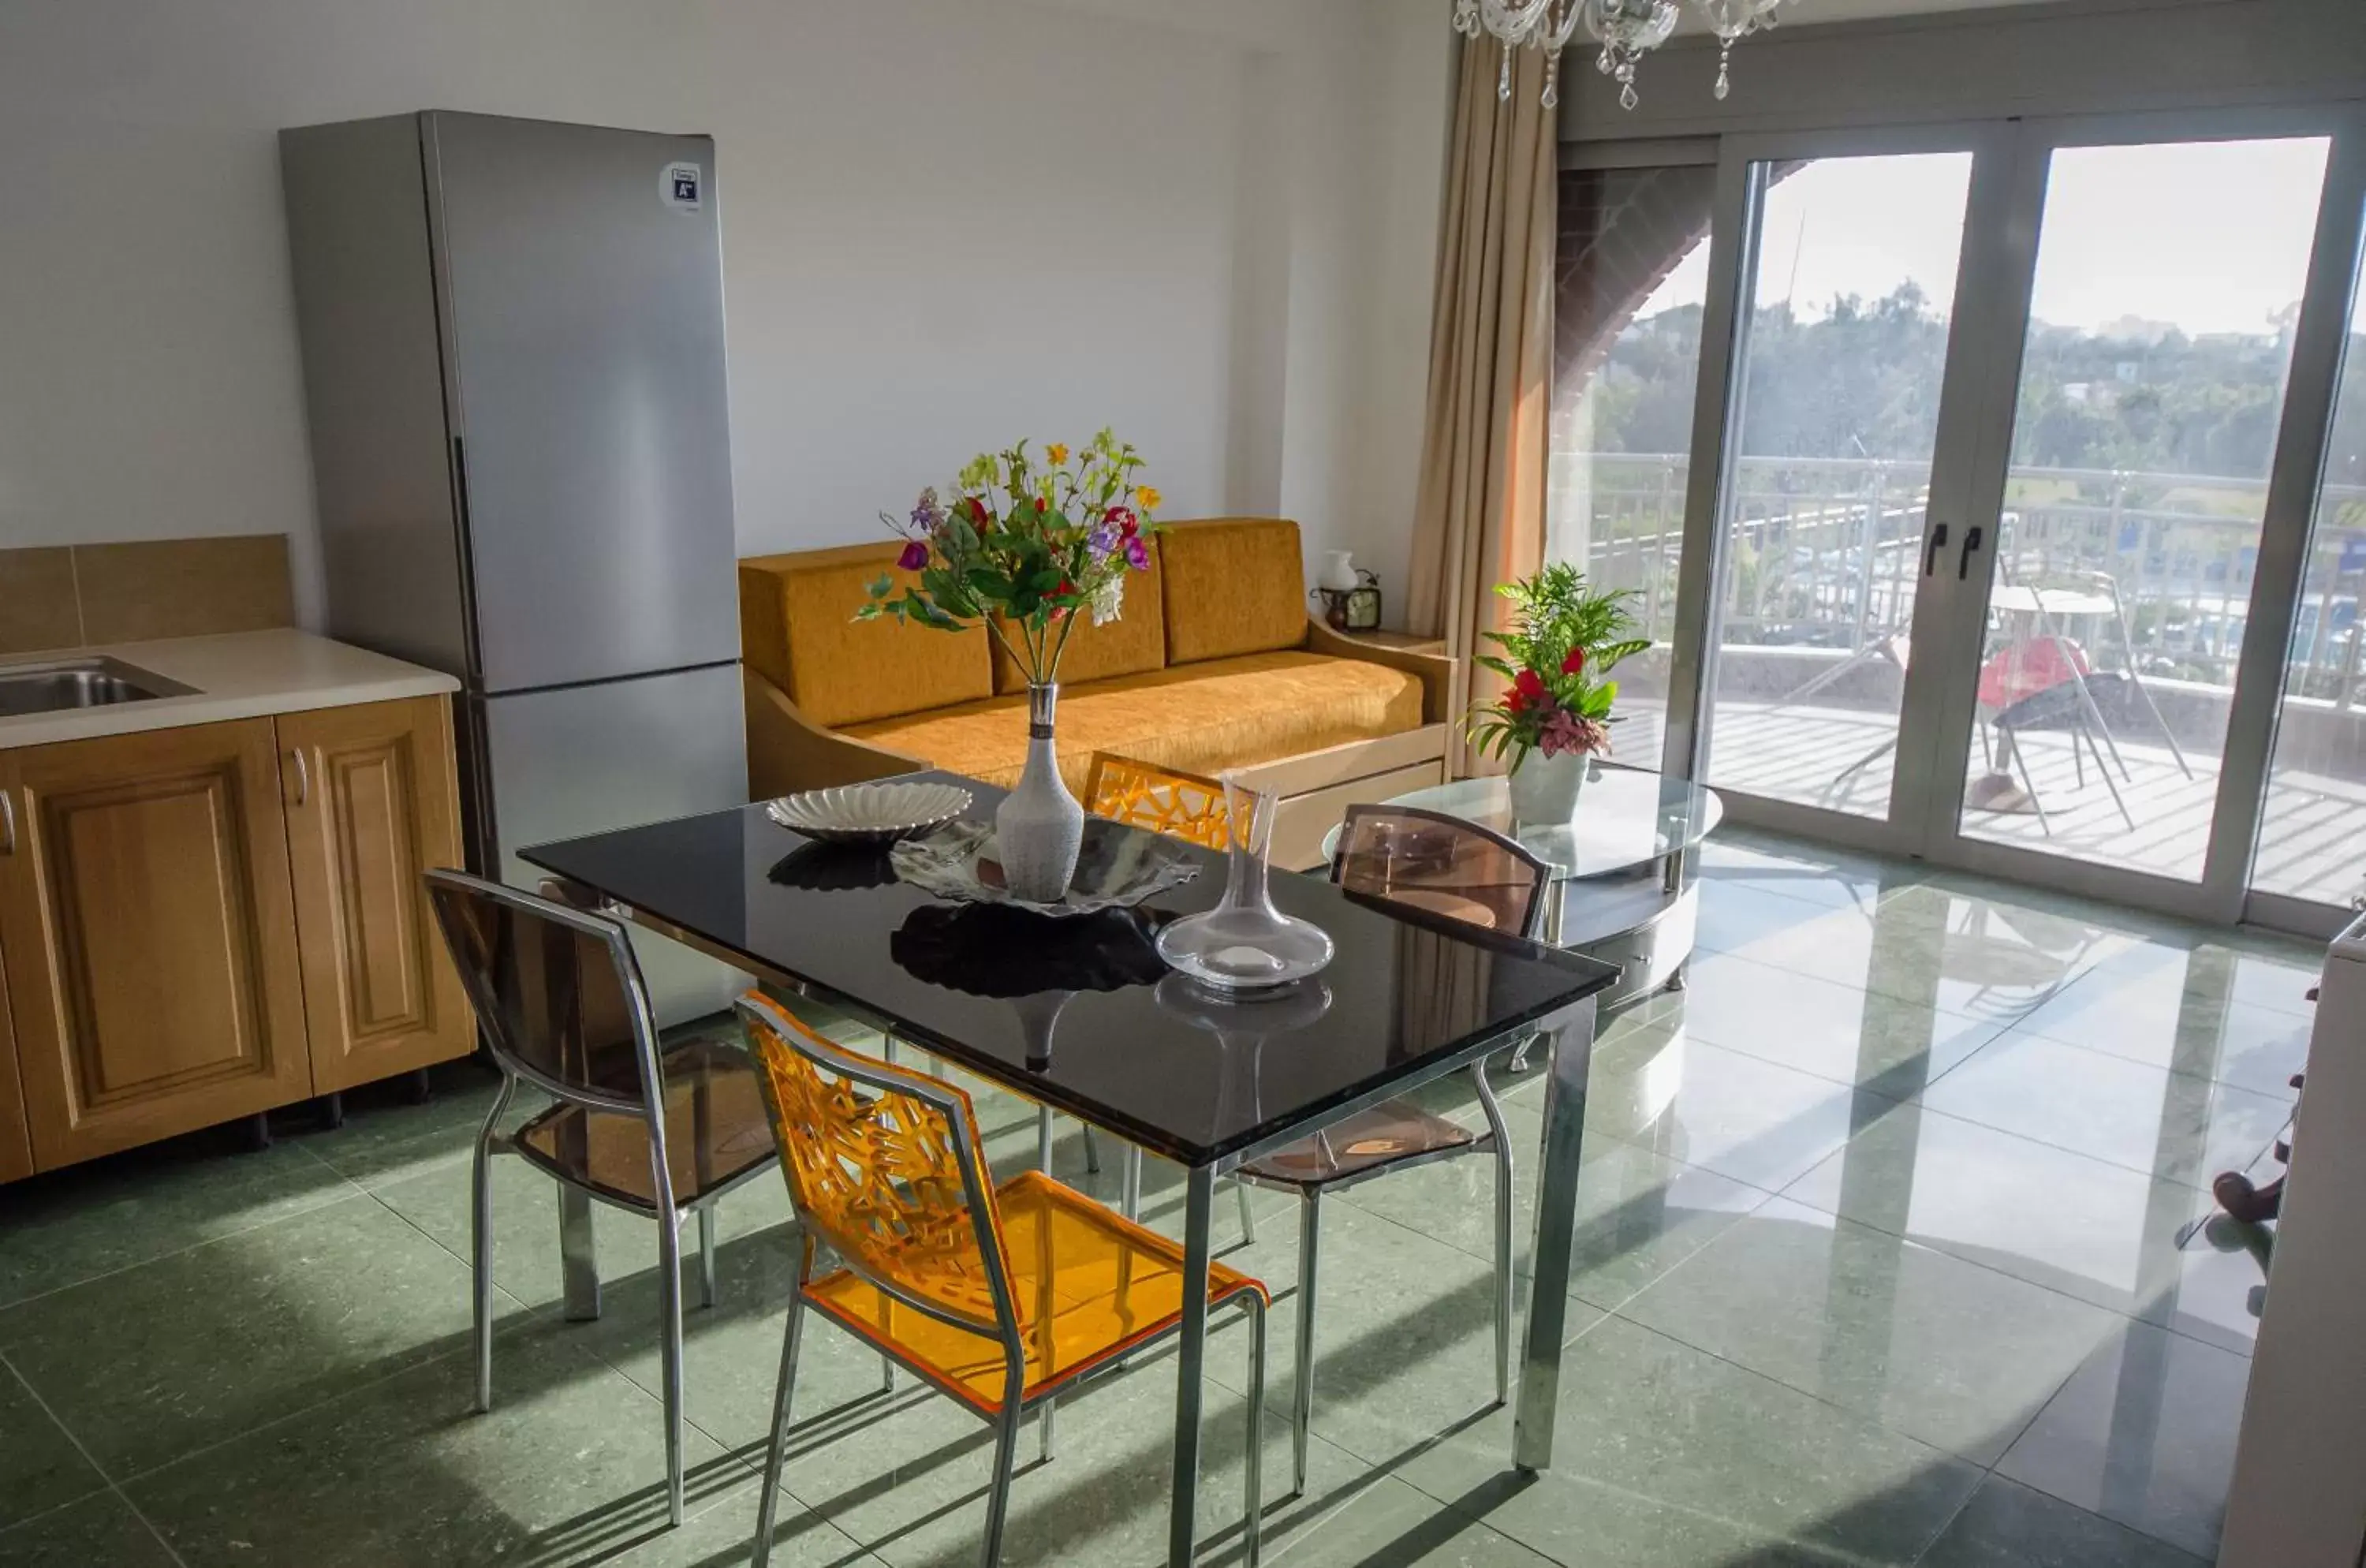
[56, 686]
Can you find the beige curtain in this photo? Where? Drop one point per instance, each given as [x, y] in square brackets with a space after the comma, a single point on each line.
[1480, 515]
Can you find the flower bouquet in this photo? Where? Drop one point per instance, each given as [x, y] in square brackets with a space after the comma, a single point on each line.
[1023, 549]
[1566, 639]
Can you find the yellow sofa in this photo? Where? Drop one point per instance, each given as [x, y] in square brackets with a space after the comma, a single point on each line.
[1215, 665]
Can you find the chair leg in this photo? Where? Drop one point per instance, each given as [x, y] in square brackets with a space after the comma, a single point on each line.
[1129, 1183]
[578, 1255]
[1092, 1154]
[1248, 1214]
[1044, 1139]
[670, 1294]
[706, 1256]
[1503, 1201]
[1043, 1430]
[1253, 1462]
[997, 1501]
[481, 1245]
[777, 1452]
[1301, 1397]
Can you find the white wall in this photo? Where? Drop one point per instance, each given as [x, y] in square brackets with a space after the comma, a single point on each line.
[946, 223]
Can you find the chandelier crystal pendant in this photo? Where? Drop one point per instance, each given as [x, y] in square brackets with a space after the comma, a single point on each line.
[1626, 29]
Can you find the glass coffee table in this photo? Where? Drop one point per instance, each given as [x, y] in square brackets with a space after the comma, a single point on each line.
[1625, 866]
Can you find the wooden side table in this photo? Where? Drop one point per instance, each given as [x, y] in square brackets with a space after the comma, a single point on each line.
[1409, 641]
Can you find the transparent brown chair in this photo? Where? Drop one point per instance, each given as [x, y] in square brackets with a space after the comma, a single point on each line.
[1447, 867]
[1001, 1297]
[658, 1133]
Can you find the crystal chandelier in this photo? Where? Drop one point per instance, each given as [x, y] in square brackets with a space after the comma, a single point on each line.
[1626, 30]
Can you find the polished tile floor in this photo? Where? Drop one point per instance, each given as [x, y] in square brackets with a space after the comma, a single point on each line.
[1894, 1251]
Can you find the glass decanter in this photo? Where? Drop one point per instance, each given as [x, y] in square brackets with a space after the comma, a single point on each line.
[1244, 943]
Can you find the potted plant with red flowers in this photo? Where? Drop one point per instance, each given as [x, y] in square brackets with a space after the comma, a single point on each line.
[1556, 658]
[1024, 548]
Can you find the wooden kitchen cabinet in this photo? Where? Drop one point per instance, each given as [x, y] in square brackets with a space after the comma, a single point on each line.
[147, 929]
[372, 802]
[15, 1148]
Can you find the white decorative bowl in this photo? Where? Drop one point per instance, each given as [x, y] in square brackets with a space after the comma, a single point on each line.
[869, 813]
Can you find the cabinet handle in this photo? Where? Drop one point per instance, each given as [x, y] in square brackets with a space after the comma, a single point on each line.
[7, 822]
[303, 776]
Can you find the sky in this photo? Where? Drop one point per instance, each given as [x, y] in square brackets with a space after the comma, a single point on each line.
[2212, 237]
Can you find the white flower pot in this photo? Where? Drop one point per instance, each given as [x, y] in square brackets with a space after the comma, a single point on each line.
[1039, 827]
[1544, 789]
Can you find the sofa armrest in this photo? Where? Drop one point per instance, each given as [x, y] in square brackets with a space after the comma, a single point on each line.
[788, 753]
[1434, 670]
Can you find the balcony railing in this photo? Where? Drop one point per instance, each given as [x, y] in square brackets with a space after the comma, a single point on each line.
[1826, 553]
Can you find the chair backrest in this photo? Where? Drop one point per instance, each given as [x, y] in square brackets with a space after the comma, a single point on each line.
[885, 1166]
[1143, 794]
[557, 990]
[1444, 863]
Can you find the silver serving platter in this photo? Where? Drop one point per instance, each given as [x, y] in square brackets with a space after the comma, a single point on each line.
[869, 813]
[1117, 868]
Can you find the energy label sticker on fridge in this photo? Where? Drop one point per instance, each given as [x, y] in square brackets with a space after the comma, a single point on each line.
[680, 185]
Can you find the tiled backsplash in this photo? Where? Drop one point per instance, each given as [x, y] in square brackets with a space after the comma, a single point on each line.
[76, 596]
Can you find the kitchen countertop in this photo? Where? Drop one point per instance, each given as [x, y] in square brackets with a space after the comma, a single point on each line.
[236, 675]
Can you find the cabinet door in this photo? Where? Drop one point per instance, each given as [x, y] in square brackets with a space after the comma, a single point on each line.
[16, 1150]
[150, 937]
[373, 802]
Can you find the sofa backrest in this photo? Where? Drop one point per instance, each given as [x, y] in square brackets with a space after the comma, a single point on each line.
[1133, 644]
[797, 629]
[1233, 585]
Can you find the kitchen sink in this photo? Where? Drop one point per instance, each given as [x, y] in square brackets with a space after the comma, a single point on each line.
[59, 684]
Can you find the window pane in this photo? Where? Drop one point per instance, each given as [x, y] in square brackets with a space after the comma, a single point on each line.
[1630, 278]
[1845, 349]
[2316, 816]
[2152, 383]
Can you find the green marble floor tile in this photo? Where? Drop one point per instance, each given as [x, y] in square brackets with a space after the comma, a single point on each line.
[2189, 1013]
[2143, 1435]
[2007, 1525]
[70, 1225]
[2156, 1123]
[386, 1137]
[1384, 1520]
[2097, 1231]
[152, 1364]
[569, 1467]
[1943, 1350]
[1748, 1119]
[1639, 1213]
[724, 1536]
[1666, 1457]
[1817, 873]
[40, 1467]
[1779, 1013]
[100, 1530]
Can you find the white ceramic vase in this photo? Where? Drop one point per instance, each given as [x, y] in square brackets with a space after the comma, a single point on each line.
[1039, 825]
[1544, 789]
[1339, 572]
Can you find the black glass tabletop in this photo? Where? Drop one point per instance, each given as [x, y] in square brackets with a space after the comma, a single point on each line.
[1080, 1013]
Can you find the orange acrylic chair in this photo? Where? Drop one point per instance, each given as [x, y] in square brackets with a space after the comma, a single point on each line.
[1182, 806]
[1002, 1298]
[1446, 865]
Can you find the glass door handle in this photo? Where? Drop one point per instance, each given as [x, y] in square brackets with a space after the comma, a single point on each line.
[1964, 561]
[1931, 552]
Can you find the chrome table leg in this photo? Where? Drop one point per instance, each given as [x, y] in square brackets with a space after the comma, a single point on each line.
[1302, 1394]
[706, 1256]
[1191, 1352]
[578, 1255]
[1130, 1187]
[1539, 1391]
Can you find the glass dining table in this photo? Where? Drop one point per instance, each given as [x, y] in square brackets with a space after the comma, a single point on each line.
[1080, 1014]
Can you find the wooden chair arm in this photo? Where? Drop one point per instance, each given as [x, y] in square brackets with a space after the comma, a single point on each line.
[788, 753]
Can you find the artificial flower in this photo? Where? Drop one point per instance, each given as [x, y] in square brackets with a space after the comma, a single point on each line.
[915, 556]
[1137, 555]
[1146, 498]
[1574, 663]
[927, 516]
[1109, 600]
[1127, 523]
[1528, 687]
[974, 510]
[1058, 453]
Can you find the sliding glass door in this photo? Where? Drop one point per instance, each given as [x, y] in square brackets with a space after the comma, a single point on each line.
[2014, 525]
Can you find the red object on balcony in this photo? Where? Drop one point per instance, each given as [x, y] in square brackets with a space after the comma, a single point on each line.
[2025, 668]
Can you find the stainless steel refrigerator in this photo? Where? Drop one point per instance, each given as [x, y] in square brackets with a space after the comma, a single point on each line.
[514, 367]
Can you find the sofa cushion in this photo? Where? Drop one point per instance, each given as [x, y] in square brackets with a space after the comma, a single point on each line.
[1133, 643]
[797, 629]
[1235, 585]
[1200, 718]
